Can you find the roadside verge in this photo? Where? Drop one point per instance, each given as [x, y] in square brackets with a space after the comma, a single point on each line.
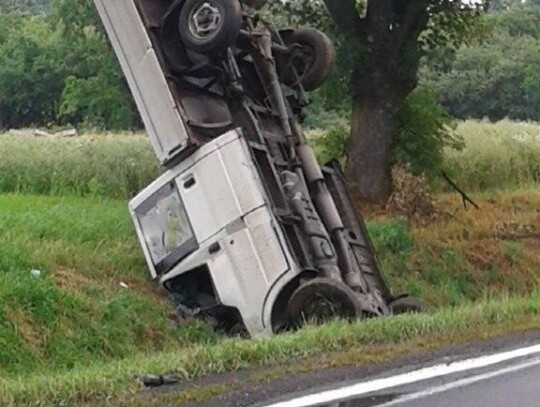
[396, 336]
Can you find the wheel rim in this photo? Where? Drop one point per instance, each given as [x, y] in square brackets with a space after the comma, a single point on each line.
[205, 21]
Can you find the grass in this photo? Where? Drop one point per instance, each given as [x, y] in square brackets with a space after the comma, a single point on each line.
[496, 156]
[76, 311]
[119, 378]
[503, 155]
[115, 166]
[467, 254]
[74, 335]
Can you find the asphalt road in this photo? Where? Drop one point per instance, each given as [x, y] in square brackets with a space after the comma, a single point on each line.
[521, 388]
[517, 388]
[501, 379]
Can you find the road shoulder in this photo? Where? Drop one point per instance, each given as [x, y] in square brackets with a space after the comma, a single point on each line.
[255, 386]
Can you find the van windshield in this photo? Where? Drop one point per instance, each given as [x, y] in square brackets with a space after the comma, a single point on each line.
[165, 224]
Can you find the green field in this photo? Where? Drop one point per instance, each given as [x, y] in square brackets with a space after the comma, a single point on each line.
[114, 166]
[505, 155]
[74, 333]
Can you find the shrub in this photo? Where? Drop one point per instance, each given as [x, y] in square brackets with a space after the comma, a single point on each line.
[391, 237]
[425, 129]
[330, 143]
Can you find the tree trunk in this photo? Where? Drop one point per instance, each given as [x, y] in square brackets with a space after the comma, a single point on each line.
[369, 150]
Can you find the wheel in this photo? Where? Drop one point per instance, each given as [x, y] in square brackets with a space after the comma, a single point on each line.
[210, 26]
[320, 300]
[410, 305]
[313, 59]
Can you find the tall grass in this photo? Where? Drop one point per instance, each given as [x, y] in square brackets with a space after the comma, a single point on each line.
[503, 155]
[496, 156]
[116, 166]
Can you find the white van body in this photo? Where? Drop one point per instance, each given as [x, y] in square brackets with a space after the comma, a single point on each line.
[145, 77]
[212, 212]
[209, 212]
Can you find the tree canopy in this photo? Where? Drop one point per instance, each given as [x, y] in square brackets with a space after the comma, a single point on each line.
[58, 68]
[499, 75]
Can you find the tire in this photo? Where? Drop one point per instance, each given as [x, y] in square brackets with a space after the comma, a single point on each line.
[319, 54]
[304, 304]
[217, 33]
[410, 305]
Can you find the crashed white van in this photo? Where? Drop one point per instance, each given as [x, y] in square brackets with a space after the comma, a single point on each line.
[244, 227]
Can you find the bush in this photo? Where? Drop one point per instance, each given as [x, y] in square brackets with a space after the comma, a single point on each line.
[331, 142]
[392, 238]
[424, 130]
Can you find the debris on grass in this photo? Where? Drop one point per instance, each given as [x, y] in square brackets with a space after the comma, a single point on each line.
[151, 381]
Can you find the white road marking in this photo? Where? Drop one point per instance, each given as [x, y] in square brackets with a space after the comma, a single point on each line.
[407, 378]
[460, 384]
